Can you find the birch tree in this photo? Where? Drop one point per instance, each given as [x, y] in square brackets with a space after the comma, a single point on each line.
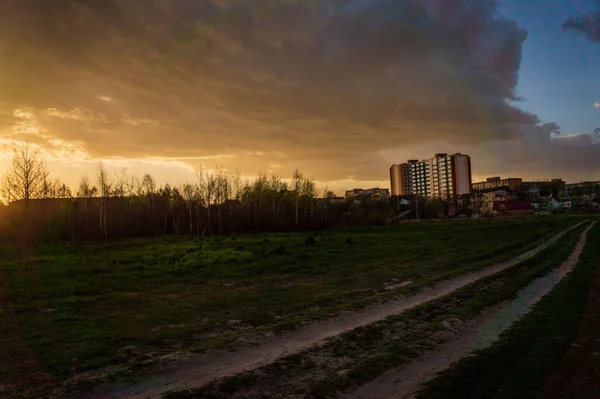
[297, 187]
[86, 191]
[104, 185]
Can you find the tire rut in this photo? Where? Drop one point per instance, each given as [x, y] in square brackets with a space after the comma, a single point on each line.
[477, 333]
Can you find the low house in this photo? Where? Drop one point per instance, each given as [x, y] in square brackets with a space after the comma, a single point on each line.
[492, 198]
[565, 203]
[544, 204]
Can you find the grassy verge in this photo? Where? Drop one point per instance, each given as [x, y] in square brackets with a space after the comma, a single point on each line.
[363, 354]
[518, 364]
[76, 308]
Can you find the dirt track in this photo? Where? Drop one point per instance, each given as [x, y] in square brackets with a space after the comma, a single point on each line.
[196, 370]
[578, 373]
[475, 334]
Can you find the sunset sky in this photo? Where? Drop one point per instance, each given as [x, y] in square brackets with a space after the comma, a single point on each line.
[339, 89]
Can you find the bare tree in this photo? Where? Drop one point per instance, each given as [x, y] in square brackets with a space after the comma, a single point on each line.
[27, 176]
[309, 192]
[207, 185]
[297, 187]
[86, 191]
[189, 195]
[62, 190]
[222, 192]
[48, 189]
[148, 189]
[104, 185]
[4, 191]
[125, 184]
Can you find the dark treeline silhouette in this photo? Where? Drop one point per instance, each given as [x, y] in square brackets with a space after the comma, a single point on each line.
[216, 202]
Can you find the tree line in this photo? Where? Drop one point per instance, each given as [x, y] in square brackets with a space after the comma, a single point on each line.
[123, 205]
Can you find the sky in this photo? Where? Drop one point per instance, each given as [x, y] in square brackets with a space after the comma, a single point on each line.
[339, 89]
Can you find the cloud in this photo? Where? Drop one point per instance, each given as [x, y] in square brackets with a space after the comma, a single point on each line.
[588, 24]
[320, 85]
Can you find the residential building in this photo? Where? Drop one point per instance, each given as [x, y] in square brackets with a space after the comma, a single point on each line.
[442, 176]
[542, 188]
[582, 188]
[382, 193]
[400, 179]
[450, 175]
[491, 198]
[494, 183]
[420, 182]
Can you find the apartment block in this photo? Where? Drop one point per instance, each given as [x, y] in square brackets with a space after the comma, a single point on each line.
[492, 183]
[442, 176]
[376, 192]
[400, 179]
[420, 176]
[450, 175]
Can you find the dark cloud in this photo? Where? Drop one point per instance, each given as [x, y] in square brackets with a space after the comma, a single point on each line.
[320, 85]
[588, 24]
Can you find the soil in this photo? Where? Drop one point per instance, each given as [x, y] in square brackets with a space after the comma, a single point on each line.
[195, 371]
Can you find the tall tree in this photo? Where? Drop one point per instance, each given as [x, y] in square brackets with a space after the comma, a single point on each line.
[27, 176]
[104, 185]
[86, 191]
[148, 189]
[62, 190]
[189, 195]
[297, 188]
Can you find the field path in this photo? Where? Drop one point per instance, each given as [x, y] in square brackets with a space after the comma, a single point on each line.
[475, 334]
[197, 370]
[577, 375]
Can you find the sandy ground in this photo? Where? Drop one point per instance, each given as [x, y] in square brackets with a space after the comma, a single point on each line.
[475, 334]
[194, 371]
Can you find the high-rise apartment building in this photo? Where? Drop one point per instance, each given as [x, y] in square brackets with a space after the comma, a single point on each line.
[400, 179]
[420, 175]
[450, 175]
[442, 176]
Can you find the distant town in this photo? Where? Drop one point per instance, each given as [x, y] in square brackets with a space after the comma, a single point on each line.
[447, 179]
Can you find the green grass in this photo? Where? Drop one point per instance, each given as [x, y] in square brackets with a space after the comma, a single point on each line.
[75, 307]
[517, 365]
[376, 348]
[378, 356]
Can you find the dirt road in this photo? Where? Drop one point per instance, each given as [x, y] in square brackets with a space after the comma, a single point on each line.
[475, 334]
[197, 370]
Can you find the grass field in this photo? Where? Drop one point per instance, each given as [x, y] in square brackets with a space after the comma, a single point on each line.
[361, 355]
[519, 363]
[76, 308]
